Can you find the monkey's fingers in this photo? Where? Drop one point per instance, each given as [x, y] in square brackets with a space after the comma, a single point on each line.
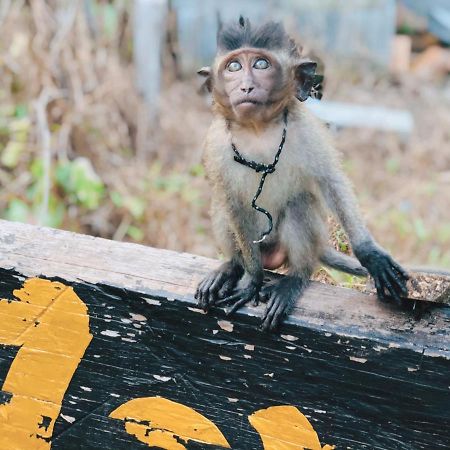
[380, 289]
[398, 268]
[239, 304]
[392, 289]
[273, 315]
[398, 282]
[398, 279]
[199, 294]
[230, 299]
[227, 288]
[204, 292]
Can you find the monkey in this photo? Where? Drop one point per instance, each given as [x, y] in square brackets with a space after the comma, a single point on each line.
[264, 144]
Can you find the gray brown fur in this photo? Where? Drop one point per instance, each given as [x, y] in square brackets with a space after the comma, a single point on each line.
[308, 183]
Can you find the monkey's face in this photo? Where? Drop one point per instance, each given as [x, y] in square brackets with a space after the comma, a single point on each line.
[249, 84]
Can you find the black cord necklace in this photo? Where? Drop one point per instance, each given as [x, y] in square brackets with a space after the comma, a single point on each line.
[265, 169]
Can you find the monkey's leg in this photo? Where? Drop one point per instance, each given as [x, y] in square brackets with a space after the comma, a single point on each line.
[219, 283]
[302, 233]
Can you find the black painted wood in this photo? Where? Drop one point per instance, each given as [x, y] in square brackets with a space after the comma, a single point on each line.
[357, 393]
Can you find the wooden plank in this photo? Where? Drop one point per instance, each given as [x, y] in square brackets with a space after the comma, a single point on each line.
[35, 251]
[117, 327]
[356, 393]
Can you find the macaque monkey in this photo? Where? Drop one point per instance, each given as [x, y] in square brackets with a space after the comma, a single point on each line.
[274, 172]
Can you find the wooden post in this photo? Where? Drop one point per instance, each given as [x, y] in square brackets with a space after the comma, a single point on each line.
[102, 346]
[149, 33]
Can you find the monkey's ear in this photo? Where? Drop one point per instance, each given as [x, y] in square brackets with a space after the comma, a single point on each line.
[308, 82]
[207, 84]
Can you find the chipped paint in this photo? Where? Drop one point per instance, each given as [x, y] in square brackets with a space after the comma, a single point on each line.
[110, 333]
[162, 423]
[285, 428]
[151, 301]
[197, 310]
[358, 360]
[138, 317]
[289, 337]
[51, 325]
[225, 325]
[161, 378]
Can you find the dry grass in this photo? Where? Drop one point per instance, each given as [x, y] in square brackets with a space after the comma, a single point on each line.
[71, 85]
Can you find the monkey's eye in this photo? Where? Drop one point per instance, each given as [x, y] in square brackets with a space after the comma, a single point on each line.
[261, 63]
[234, 66]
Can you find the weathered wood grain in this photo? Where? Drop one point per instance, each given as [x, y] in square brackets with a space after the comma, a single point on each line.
[36, 251]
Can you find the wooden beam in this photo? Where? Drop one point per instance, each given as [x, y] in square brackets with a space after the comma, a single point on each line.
[111, 352]
[35, 251]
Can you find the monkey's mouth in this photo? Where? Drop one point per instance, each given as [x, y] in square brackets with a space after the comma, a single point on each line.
[248, 101]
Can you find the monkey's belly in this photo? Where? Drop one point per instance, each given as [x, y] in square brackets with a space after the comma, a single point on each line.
[273, 256]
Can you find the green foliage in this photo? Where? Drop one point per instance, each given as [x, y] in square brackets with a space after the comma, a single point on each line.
[16, 131]
[17, 211]
[79, 181]
[135, 233]
[344, 279]
[393, 165]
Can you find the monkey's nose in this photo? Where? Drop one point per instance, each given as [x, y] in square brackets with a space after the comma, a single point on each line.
[247, 90]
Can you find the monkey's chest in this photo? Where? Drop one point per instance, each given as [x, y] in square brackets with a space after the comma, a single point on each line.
[272, 193]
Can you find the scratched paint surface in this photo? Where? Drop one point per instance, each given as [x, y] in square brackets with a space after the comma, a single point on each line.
[356, 394]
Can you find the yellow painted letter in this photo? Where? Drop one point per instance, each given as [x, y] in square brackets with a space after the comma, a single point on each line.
[51, 326]
[162, 423]
[285, 428]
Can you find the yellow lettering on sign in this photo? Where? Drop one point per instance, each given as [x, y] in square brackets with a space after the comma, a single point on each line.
[165, 424]
[285, 428]
[51, 325]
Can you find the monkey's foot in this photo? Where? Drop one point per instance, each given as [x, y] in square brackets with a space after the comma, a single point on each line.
[249, 293]
[218, 284]
[281, 296]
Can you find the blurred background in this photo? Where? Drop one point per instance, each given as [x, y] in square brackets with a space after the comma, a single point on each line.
[101, 120]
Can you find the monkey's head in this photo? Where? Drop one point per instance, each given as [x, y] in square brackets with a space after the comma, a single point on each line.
[257, 72]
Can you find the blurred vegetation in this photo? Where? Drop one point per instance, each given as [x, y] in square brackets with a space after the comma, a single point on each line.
[79, 151]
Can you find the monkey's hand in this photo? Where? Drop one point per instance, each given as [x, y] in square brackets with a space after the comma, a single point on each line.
[247, 291]
[281, 296]
[218, 284]
[387, 273]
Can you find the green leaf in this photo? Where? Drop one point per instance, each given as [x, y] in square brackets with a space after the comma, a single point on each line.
[79, 180]
[197, 170]
[11, 154]
[136, 206]
[393, 165]
[21, 111]
[17, 211]
[135, 233]
[116, 198]
[419, 228]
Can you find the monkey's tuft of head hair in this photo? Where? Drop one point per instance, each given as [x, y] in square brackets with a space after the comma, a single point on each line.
[271, 36]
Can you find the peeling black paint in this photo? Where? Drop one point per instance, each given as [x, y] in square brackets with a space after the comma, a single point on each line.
[46, 422]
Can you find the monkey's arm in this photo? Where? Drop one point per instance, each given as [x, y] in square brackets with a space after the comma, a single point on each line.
[386, 272]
